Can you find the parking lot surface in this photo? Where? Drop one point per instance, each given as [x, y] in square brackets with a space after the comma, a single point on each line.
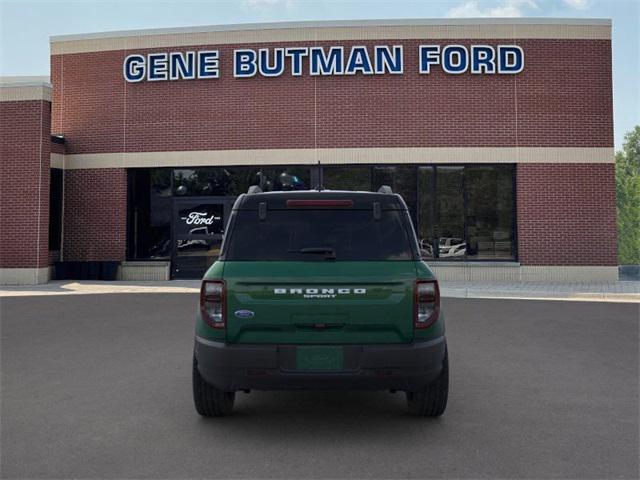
[98, 386]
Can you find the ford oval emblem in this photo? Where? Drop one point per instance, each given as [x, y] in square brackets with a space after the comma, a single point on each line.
[243, 313]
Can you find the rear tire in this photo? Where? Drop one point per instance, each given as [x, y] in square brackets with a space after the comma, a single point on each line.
[209, 401]
[432, 401]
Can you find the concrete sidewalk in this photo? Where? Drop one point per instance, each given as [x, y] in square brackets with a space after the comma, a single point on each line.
[594, 292]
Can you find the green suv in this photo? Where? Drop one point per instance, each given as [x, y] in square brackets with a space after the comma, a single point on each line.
[320, 290]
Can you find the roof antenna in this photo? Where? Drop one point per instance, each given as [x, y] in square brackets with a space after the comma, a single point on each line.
[320, 187]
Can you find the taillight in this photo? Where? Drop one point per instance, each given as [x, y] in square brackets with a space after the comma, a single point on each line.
[212, 300]
[427, 303]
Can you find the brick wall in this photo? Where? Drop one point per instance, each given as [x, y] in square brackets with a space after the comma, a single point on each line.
[95, 214]
[24, 183]
[566, 214]
[562, 98]
[57, 148]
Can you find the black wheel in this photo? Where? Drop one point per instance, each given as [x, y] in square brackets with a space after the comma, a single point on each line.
[209, 401]
[432, 401]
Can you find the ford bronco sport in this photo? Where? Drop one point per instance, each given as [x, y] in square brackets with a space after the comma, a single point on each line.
[320, 290]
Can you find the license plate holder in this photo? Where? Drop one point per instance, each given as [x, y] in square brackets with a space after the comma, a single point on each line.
[319, 358]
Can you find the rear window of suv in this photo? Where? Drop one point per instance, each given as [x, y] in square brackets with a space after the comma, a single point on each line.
[304, 234]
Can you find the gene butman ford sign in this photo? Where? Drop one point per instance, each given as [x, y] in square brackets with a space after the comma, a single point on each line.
[327, 61]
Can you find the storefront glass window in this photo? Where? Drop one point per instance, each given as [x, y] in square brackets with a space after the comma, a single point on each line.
[149, 218]
[426, 210]
[466, 212]
[233, 181]
[152, 193]
[450, 214]
[489, 212]
[347, 177]
[461, 212]
[402, 180]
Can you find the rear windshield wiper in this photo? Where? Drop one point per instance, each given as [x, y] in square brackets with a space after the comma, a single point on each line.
[329, 253]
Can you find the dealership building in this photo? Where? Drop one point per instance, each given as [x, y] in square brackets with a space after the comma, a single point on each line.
[498, 133]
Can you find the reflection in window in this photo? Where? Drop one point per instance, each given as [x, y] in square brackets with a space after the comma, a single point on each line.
[461, 212]
[234, 181]
[489, 212]
[426, 211]
[347, 177]
[450, 214]
[402, 180]
[149, 219]
[466, 212]
[151, 193]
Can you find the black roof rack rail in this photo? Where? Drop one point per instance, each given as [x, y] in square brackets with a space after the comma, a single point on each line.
[385, 189]
[254, 189]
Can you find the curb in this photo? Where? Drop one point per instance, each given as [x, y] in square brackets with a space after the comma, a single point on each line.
[541, 295]
[192, 287]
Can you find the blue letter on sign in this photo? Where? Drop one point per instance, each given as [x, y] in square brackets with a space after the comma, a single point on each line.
[330, 64]
[483, 59]
[385, 61]
[455, 59]
[429, 55]
[510, 59]
[274, 70]
[208, 64]
[181, 67]
[296, 55]
[133, 68]
[158, 66]
[244, 63]
[359, 61]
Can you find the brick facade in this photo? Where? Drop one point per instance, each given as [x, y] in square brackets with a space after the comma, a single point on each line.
[560, 99]
[560, 103]
[24, 183]
[57, 148]
[95, 214]
[566, 214]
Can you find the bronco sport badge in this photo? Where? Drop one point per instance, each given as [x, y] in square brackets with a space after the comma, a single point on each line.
[320, 292]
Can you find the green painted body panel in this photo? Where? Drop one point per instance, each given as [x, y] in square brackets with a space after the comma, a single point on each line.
[381, 315]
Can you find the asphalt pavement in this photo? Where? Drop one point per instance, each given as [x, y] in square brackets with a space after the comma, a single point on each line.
[98, 386]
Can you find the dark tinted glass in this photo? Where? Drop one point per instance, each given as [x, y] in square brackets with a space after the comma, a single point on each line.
[149, 232]
[489, 212]
[401, 179]
[233, 181]
[350, 234]
[345, 177]
[450, 214]
[426, 211]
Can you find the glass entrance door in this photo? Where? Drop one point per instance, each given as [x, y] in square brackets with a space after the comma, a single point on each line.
[198, 229]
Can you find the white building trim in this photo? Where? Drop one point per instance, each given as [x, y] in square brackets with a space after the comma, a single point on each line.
[336, 156]
[476, 28]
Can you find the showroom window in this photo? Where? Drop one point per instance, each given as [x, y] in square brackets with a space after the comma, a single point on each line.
[149, 214]
[461, 212]
[233, 181]
[151, 195]
[467, 212]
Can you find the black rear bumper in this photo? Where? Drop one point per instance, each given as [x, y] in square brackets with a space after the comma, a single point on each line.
[231, 367]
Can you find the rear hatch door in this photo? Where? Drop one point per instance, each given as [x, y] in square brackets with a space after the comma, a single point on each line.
[320, 302]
